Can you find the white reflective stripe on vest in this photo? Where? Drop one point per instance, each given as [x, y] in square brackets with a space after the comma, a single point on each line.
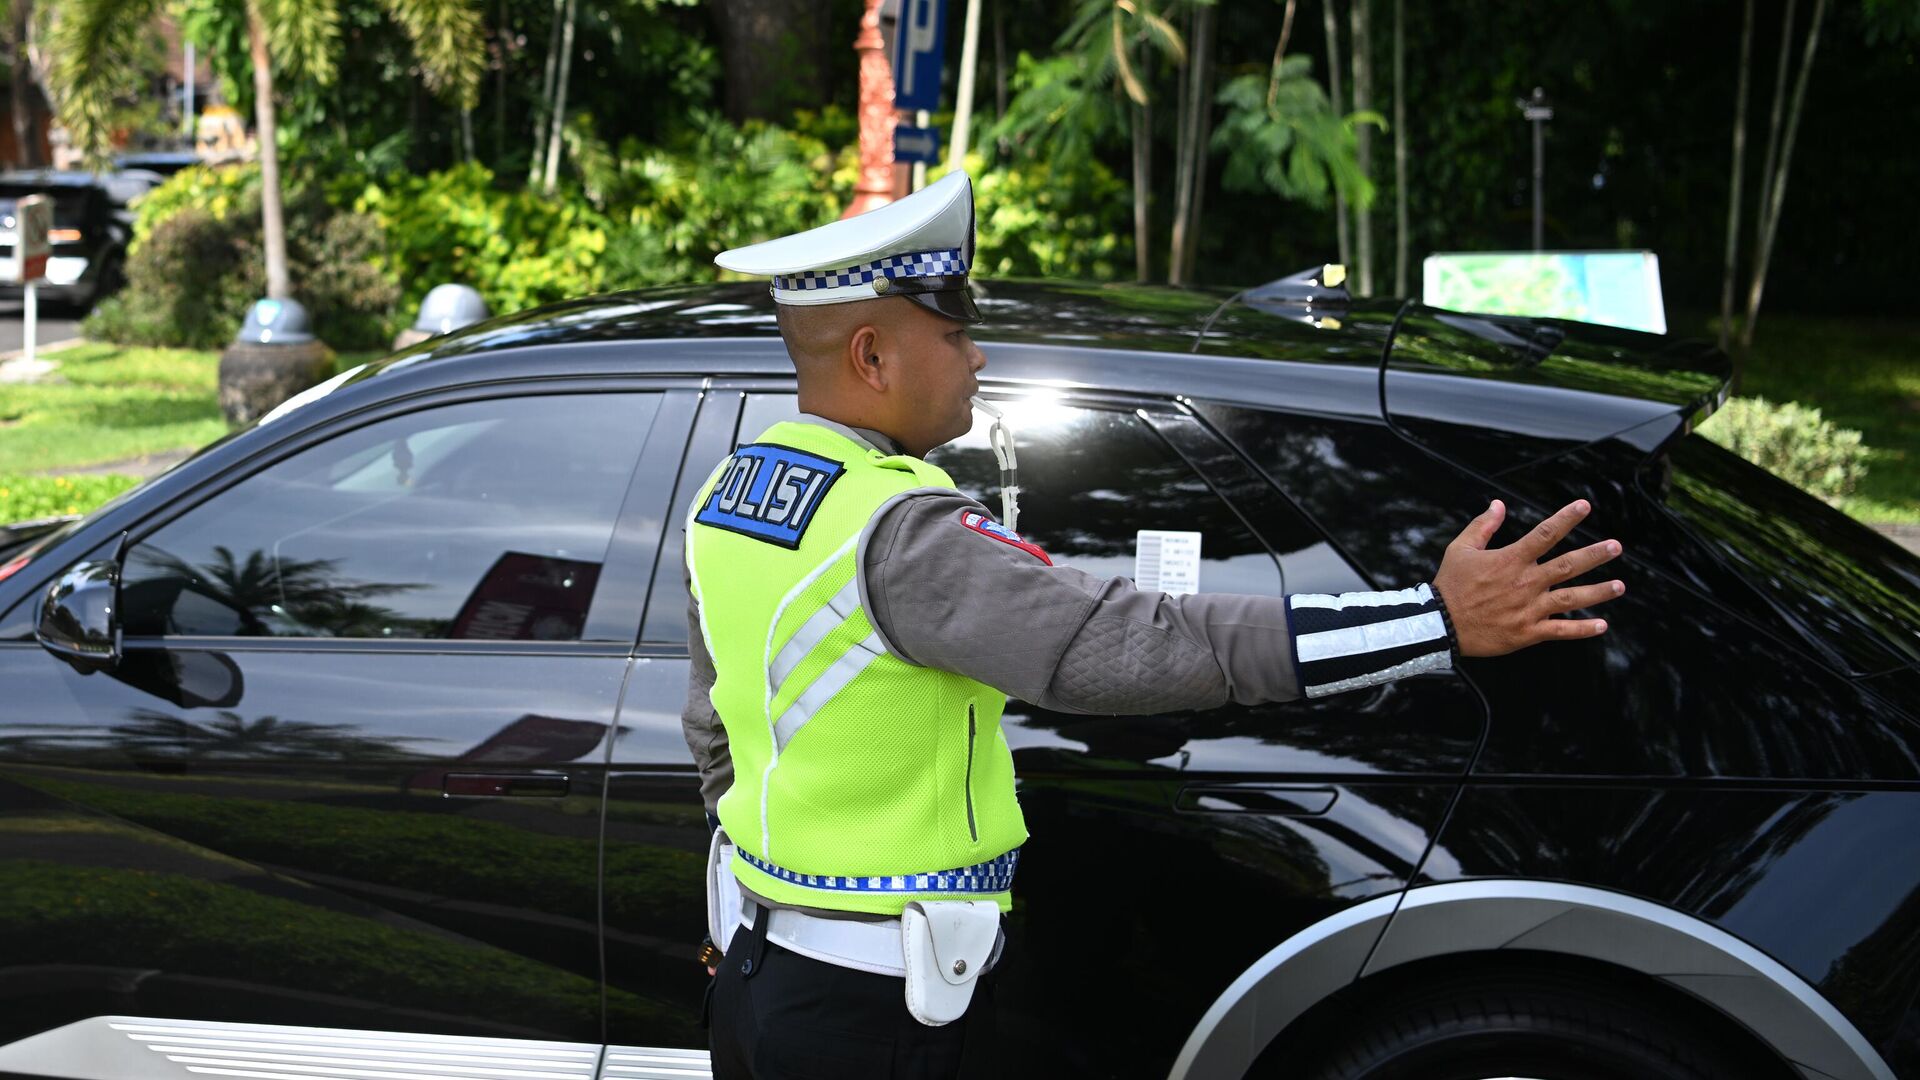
[814, 631]
[831, 682]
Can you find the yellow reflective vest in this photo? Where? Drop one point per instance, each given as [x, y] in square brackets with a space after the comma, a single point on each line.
[861, 781]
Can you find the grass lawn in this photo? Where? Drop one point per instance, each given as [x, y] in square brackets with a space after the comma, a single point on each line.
[1862, 374]
[104, 404]
[109, 404]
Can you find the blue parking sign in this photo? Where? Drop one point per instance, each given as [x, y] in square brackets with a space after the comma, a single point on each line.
[919, 49]
[920, 144]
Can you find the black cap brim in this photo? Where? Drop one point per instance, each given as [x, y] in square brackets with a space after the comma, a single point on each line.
[955, 304]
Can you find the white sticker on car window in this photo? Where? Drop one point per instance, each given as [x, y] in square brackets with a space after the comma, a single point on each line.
[1166, 561]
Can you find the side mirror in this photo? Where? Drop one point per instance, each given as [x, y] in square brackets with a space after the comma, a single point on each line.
[79, 619]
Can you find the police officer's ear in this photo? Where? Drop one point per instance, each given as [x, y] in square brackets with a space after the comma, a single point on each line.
[864, 358]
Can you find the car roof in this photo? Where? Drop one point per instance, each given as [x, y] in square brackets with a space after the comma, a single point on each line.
[1192, 342]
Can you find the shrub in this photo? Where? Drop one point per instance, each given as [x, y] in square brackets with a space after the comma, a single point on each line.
[187, 285]
[1794, 442]
[217, 191]
[725, 187]
[26, 498]
[519, 248]
[196, 264]
[1035, 220]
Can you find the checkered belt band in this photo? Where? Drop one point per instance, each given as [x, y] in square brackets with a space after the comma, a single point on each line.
[993, 876]
[912, 265]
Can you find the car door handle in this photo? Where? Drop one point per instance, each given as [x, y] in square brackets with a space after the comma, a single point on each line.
[505, 785]
[1275, 799]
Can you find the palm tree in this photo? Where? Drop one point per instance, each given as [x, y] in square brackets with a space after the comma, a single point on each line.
[93, 44]
[1097, 83]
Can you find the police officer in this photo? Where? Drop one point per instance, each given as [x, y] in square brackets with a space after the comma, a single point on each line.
[862, 622]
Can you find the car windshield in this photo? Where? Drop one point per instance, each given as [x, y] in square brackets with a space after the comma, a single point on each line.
[69, 207]
[1851, 594]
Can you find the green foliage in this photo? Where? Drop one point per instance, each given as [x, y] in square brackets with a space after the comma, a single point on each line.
[1281, 134]
[99, 58]
[25, 498]
[216, 191]
[187, 285]
[1794, 442]
[195, 264]
[1058, 110]
[1041, 220]
[724, 187]
[518, 248]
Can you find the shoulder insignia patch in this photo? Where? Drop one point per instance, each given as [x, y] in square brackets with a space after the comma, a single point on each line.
[992, 529]
[770, 493]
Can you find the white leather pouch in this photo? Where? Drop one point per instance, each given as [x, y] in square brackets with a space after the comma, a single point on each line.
[723, 891]
[946, 945]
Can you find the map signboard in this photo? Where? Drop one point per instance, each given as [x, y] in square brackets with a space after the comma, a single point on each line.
[1614, 288]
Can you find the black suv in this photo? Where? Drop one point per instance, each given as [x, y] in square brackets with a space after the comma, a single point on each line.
[91, 227]
[351, 746]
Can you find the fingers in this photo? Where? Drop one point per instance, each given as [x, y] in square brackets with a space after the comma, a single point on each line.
[1542, 537]
[1584, 596]
[1574, 563]
[1569, 629]
[1479, 532]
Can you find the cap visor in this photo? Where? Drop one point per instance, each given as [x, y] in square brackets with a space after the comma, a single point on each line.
[955, 304]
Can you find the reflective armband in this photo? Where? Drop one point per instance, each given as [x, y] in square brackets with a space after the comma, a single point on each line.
[1361, 639]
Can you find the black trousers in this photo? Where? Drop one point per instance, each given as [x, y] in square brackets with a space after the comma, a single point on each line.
[777, 1015]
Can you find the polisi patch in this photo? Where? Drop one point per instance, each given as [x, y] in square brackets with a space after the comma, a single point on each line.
[992, 529]
[769, 492]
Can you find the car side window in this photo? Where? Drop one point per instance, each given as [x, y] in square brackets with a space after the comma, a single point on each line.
[1092, 481]
[480, 520]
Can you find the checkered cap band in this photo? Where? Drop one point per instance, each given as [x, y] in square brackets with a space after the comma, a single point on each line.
[993, 876]
[893, 267]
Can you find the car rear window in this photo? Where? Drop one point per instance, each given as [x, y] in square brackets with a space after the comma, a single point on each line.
[1753, 542]
[1854, 595]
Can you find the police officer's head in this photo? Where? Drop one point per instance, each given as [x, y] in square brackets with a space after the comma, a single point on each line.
[875, 309]
[889, 364]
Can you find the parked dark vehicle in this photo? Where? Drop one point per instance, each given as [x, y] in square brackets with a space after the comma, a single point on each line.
[91, 227]
[351, 746]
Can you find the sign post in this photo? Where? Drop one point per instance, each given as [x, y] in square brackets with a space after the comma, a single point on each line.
[26, 261]
[919, 55]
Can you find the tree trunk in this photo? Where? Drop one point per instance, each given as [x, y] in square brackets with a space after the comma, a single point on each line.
[26, 133]
[559, 117]
[963, 93]
[1773, 126]
[1736, 182]
[544, 110]
[1332, 22]
[273, 227]
[1777, 190]
[1182, 132]
[1196, 130]
[500, 90]
[1142, 186]
[1000, 68]
[1363, 146]
[1400, 238]
[770, 54]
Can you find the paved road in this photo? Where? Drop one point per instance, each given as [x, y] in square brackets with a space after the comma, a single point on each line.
[57, 323]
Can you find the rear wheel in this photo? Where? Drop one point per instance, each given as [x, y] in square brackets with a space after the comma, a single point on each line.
[1537, 1028]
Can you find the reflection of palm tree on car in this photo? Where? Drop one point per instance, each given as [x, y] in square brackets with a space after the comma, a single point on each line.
[232, 735]
[270, 596]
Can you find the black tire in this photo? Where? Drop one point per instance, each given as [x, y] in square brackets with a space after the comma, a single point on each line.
[1532, 1027]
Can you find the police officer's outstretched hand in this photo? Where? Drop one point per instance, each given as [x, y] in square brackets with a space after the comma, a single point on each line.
[1503, 599]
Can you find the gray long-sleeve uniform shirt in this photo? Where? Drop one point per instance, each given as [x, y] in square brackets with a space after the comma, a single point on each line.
[945, 596]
